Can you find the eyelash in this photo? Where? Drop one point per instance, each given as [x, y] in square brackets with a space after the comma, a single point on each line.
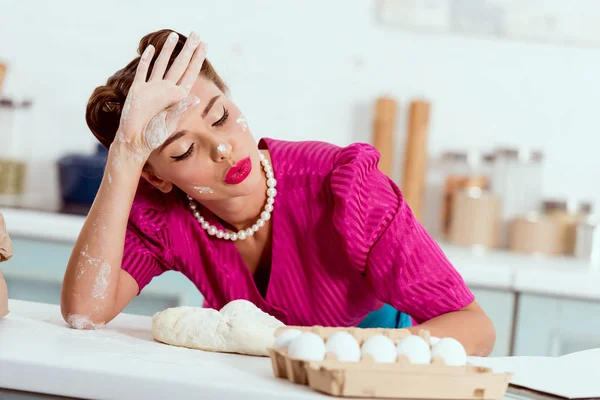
[223, 118]
[190, 151]
[185, 155]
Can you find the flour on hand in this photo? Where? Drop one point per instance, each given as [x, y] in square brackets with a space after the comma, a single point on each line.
[240, 327]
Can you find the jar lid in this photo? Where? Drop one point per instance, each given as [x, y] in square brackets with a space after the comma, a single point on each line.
[550, 205]
[585, 207]
[568, 206]
[471, 157]
[6, 102]
[521, 154]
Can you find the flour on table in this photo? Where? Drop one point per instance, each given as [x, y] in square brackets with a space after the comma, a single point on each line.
[240, 327]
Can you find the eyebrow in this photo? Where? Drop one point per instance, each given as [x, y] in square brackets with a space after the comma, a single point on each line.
[171, 139]
[209, 105]
[182, 133]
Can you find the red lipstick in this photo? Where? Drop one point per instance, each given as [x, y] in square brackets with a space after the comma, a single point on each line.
[239, 171]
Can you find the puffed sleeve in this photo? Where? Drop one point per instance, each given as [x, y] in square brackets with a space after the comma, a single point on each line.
[146, 252]
[384, 241]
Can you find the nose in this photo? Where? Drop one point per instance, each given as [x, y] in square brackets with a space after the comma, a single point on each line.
[221, 151]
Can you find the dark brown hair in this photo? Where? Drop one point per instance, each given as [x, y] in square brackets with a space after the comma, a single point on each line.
[103, 111]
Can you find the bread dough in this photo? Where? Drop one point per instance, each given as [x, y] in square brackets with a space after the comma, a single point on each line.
[6, 253]
[240, 327]
[3, 297]
[6, 250]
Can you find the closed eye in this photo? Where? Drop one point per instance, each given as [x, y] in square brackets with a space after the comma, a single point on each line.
[185, 155]
[222, 120]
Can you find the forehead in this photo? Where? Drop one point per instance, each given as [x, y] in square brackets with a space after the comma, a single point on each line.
[204, 89]
[201, 93]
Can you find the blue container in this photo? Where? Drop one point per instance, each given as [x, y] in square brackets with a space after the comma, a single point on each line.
[80, 177]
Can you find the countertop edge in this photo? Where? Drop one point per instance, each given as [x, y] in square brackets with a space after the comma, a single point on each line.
[494, 269]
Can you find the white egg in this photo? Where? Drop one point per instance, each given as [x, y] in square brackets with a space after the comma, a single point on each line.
[381, 348]
[283, 340]
[451, 350]
[307, 346]
[433, 340]
[415, 348]
[344, 346]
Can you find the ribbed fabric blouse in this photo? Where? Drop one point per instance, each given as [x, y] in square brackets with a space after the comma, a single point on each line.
[344, 244]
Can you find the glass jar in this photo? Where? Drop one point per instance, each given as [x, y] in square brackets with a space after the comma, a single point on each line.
[537, 233]
[517, 179]
[570, 213]
[463, 170]
[14, 115]
[475, 218]
[587, 243]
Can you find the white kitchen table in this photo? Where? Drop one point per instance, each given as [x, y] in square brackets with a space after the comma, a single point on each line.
[39, 353]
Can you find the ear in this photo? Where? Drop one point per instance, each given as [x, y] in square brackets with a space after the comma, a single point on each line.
[154, 180]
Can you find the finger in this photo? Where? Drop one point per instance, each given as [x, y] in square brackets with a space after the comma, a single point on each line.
[183, 59]
[193, 70]
[160, 65]
[142, 68]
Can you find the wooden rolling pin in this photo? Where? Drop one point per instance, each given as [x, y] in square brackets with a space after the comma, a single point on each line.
[383, 132]
[415, 161]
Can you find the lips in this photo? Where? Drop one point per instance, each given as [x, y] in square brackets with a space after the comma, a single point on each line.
[239, 171]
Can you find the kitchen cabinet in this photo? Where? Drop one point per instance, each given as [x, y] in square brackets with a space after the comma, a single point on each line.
[36, 272]
[550, 326]
[499, 306]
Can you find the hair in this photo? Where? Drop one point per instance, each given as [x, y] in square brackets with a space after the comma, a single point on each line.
[103, 111]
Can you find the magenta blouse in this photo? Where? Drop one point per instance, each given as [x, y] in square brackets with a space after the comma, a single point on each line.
[344, 244]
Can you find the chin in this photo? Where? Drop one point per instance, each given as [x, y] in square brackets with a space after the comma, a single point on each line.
[255, 181]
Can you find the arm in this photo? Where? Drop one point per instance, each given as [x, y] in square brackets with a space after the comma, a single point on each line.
[95, 288]
[401, 262]
[470, 326]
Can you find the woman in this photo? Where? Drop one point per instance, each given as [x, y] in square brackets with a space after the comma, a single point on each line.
[311, 233]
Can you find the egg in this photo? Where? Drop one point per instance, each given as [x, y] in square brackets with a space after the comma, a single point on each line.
[307, 346]
[381, 348]
[433, 340]
[344, 346]
[451, 350]
[283, 340]
[415, 348]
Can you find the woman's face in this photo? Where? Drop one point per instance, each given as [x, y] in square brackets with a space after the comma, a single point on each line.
[210, 153]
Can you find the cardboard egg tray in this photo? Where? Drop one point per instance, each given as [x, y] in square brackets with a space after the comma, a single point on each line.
[401, 380]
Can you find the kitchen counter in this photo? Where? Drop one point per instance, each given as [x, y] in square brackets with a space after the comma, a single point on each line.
[41, 357]
[552, 276]
[40, 353]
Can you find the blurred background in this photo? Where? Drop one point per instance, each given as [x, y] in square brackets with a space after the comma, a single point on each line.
[484, 112]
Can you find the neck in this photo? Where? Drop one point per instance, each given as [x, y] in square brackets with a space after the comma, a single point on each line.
[240, 212]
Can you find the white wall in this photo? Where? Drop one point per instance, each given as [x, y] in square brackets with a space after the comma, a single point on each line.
[311, 70]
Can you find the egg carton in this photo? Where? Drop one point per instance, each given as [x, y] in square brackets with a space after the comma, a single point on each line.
[401, 379]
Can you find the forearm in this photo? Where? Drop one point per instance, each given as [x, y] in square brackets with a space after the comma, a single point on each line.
[472, 328]
[92, 276]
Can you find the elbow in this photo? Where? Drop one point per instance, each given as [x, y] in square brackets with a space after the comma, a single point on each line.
[487, 338]
[78, 317]
[79, 314]
[82, 320]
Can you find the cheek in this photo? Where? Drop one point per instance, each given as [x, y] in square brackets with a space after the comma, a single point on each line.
[194, 177]
[242, 122]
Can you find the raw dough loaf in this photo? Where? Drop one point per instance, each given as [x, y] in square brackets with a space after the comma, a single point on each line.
[6, 253]
[240, 327]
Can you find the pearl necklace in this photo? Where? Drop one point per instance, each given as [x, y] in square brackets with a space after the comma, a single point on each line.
[264, 216]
